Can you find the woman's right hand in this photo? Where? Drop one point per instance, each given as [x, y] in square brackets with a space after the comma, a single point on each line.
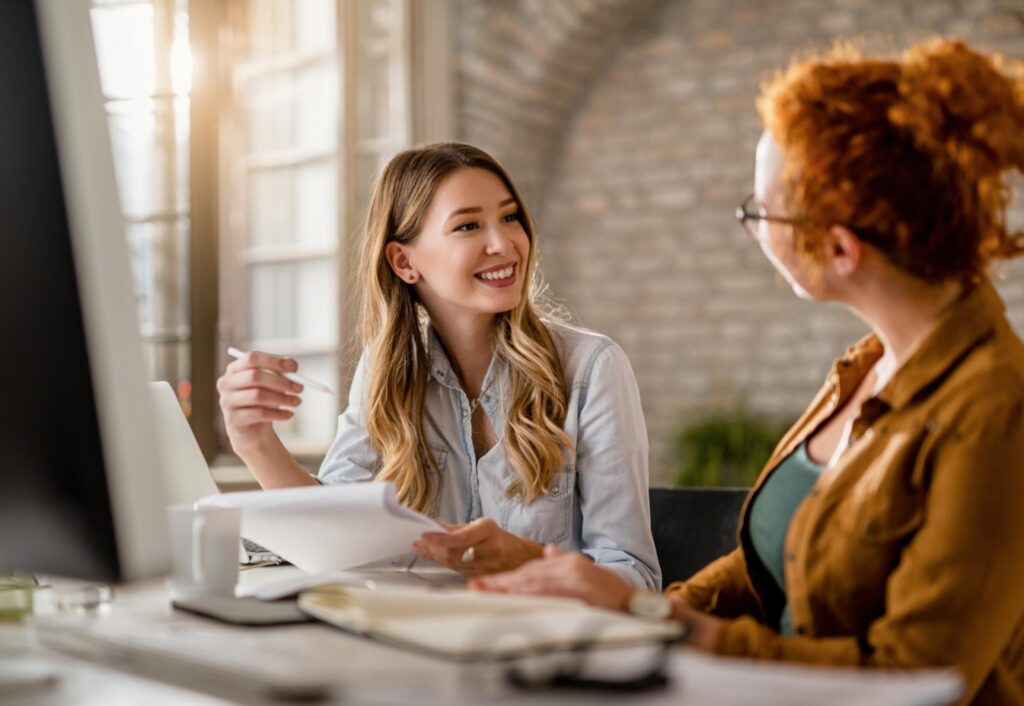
[254, 393]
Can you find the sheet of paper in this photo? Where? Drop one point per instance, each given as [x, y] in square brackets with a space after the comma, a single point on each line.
[713, 681]
[327, 529]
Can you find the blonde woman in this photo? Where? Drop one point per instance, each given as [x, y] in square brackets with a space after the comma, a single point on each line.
[517, 430]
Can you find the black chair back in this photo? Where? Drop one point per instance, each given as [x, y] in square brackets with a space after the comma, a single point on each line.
[692, 527]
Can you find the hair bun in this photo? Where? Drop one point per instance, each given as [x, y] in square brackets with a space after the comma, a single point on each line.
[962, 105]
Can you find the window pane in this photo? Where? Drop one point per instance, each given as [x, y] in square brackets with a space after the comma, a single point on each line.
[125, 49]
[293, 206]
[294, 301]
[150, 140]
[316, 26]
[284, 26]
[293, 110]
[316, 417]
[159, 254]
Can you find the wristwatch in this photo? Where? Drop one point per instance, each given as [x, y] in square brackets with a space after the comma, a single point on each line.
[650, 605]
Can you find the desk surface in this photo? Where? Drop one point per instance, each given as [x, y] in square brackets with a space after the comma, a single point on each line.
[367, 673]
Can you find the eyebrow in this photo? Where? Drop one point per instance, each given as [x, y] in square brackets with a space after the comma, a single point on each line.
[477, 209]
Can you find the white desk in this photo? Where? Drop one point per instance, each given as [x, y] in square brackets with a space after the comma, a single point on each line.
[368, 673]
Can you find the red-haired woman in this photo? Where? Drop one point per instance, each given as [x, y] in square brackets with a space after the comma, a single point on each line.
[887, 529]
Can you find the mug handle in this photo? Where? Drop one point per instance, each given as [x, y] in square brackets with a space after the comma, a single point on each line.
[198, 565]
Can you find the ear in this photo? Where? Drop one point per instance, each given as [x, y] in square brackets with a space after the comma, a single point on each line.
[844, 250]
[398, 257]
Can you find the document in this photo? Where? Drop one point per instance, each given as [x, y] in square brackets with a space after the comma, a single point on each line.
[467, 626]
[324, 529]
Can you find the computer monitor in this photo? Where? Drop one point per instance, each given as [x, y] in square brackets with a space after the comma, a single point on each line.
[80, 484]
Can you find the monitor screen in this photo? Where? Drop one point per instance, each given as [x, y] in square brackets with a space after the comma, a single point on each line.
[59, 513]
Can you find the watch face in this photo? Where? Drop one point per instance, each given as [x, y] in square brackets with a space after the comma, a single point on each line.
[650, 605]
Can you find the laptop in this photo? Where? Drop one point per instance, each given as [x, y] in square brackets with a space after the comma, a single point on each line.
[187, 475]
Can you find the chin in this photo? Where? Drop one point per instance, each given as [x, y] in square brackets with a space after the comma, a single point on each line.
[500, 307]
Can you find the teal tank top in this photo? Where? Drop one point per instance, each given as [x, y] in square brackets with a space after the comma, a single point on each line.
[772, 511]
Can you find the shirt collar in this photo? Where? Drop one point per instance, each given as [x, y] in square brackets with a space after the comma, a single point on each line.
[440, 366]
[442, 371]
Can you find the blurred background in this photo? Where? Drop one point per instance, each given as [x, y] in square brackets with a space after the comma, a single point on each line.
[247, 134]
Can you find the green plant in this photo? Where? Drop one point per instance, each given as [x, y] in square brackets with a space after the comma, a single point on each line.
[725, 449]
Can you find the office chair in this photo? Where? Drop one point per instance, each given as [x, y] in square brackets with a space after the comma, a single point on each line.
[692, 527]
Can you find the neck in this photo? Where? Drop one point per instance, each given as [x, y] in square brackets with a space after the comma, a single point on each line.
[469, 343]
[902, 311]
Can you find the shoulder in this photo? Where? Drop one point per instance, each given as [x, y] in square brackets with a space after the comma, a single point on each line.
[582, 352]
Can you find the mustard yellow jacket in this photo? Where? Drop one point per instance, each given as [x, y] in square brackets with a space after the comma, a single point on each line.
[909, 551]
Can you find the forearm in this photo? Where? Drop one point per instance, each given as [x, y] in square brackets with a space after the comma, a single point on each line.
[627, 567]
[274, 467]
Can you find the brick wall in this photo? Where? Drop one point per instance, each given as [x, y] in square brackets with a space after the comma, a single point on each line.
[631, 128]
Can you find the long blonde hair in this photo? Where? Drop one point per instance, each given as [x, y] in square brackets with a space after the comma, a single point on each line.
[390, 316]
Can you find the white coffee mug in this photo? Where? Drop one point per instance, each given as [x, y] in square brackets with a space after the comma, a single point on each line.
[204, 550]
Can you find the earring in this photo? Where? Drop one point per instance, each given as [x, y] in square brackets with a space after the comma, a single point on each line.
[411, 278]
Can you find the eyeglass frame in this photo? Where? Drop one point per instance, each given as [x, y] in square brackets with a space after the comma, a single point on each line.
[745, 216]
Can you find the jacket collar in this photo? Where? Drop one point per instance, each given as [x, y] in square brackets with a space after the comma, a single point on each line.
[967, 321]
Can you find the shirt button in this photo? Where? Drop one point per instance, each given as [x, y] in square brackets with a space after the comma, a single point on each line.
[801, 629]
[555, 489]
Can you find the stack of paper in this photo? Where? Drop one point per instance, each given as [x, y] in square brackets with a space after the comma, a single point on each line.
[324, 529]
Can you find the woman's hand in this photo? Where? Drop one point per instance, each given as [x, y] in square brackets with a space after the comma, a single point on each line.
[481, 547]
[560, 573]
[253, 394]
[573, 575]
[703, 627]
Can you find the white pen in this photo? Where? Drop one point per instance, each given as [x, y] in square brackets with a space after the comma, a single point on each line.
[294, 377]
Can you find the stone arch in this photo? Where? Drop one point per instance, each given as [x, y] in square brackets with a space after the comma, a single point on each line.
[522, 69]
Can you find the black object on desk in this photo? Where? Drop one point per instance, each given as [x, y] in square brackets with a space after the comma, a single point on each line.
[244, 611]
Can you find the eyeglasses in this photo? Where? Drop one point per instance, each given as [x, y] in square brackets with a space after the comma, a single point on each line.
[751, 212]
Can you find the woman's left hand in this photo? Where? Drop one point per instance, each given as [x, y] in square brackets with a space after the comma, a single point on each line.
[560, 573]
[481, 547]
[573, 575]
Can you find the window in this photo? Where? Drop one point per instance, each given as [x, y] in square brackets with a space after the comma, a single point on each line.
[317, 100]
[143, 56]
[244, 190]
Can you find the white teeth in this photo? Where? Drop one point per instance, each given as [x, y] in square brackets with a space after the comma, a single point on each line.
[499, 274]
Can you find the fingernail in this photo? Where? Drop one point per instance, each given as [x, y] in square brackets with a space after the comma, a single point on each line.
[292, 365]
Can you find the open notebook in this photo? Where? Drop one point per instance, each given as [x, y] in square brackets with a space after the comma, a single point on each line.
[468, 626]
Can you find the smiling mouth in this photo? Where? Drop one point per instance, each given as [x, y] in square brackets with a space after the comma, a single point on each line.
[497, 275]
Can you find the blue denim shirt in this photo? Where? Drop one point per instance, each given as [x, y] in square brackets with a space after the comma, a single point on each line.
[597, 504]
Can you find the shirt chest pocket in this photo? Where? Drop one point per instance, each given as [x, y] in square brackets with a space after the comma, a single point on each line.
[547, 519]
[881, 508]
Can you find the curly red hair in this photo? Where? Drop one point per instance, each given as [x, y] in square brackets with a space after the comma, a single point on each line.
[909, 153]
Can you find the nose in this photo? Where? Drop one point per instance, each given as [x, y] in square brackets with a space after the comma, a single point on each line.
[498, 242]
